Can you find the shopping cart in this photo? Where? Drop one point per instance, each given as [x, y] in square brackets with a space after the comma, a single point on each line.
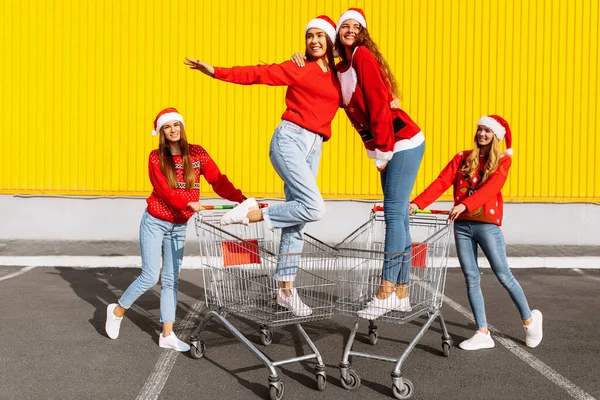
[239, 262]
[362, 255]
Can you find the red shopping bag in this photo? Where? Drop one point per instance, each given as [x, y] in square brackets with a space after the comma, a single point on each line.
[419, 255]
[240, 253]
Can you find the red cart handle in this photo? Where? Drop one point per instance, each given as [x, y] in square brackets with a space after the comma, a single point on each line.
[377, 208]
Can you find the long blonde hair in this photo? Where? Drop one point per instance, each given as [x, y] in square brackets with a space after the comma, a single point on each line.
[167, 165]
[471, 163]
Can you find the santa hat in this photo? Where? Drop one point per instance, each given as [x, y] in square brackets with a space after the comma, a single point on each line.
[500, 128]
[324, 23]
[166, 115]
[353, 13]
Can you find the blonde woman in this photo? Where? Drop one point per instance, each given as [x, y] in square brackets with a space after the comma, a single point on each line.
[478, 176]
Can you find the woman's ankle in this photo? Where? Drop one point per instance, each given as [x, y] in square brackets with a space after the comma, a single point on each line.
[402, 291]
[386, 288]
[484, 330]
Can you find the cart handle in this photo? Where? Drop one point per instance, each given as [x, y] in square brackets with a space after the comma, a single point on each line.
[228, 207]
[377, 208]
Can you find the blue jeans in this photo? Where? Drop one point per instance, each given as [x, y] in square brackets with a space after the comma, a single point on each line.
[397, 182]
[489, 237]
[295, 154]
[158, 240]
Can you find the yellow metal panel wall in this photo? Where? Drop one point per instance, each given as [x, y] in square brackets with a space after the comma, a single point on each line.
[83, 80]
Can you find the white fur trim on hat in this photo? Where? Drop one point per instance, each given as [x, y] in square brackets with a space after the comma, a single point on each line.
[172, 116]
[325, 26]
[351, 14]
[494, 125]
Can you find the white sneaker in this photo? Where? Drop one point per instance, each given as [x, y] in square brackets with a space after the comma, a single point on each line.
[404, 305]
[172, 342]
[239, 214]
[294, 303]
[377, 307]
[478, 341]
[534, 331]
[113, 323]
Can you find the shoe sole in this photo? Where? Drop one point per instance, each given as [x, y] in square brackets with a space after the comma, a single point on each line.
[479, 348]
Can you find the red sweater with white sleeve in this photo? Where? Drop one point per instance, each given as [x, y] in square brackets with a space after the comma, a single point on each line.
[312, 97]
[483, 201]
[366, 99]
[170, 204]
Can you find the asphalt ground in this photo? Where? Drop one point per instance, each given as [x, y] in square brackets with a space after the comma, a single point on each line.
[53, 344]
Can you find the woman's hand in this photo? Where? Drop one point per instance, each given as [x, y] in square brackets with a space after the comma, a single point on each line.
[299, 59]
[201, 66]
[395, 103]
[412, 208]
[457, 210]
[195, 205]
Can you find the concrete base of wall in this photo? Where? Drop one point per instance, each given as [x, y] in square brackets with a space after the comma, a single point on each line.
[58, 218]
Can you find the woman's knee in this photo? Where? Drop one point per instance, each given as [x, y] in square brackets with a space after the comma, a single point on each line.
[147, 279]
[316, 210]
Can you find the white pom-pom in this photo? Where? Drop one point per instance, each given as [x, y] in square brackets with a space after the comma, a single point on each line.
[154, 133]
[509, 152]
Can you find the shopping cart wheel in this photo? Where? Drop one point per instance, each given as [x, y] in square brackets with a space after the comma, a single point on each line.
[446, 348]
[321, 382]
[373, 336]
[276, 390]
[197, 349]
[353, 380]
[407, 391]
[266, 336]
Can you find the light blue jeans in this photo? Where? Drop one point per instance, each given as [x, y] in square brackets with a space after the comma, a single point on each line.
[159, 240]
[295, 154]
[397, 182]
[489, 237]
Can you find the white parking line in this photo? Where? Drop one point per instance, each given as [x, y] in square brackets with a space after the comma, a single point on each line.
[156, 381]
[518, 350]
[22, 271]
[593, 278]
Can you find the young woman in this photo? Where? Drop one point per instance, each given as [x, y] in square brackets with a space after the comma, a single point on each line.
[312, 99]
[392, 139]
[175, 169]
[478, 176]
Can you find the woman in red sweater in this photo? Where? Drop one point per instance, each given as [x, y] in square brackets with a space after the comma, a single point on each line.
[392, 139]
[312, 99]
[175, 169]
[478, 176]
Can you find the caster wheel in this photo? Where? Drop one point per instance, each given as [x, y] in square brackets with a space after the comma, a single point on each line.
[353, 380]
[373, 337]
[446, 349]
[276, 393]
[407, 391]
[321, 382]
[266, 337]
[197, 349]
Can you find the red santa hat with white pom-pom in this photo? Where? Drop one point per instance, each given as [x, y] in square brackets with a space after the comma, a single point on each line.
[500, 128]
[324, 23]
[166, 115]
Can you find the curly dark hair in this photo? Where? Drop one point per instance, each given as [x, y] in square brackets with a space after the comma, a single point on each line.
[364, 39]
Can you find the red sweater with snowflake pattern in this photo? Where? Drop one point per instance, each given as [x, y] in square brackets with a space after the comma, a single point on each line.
[312, 98]
[170, 204]
[483, 201]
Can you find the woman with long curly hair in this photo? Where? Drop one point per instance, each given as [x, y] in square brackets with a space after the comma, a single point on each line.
[174, 169]
[392, 139]
[478, 176]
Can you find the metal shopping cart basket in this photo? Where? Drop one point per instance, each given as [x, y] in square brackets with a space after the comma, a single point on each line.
[239, 262]
[362, 255]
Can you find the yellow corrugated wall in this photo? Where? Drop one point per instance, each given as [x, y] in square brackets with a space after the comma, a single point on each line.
[83, 80]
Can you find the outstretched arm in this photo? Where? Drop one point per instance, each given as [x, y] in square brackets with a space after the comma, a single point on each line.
[201, 66]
